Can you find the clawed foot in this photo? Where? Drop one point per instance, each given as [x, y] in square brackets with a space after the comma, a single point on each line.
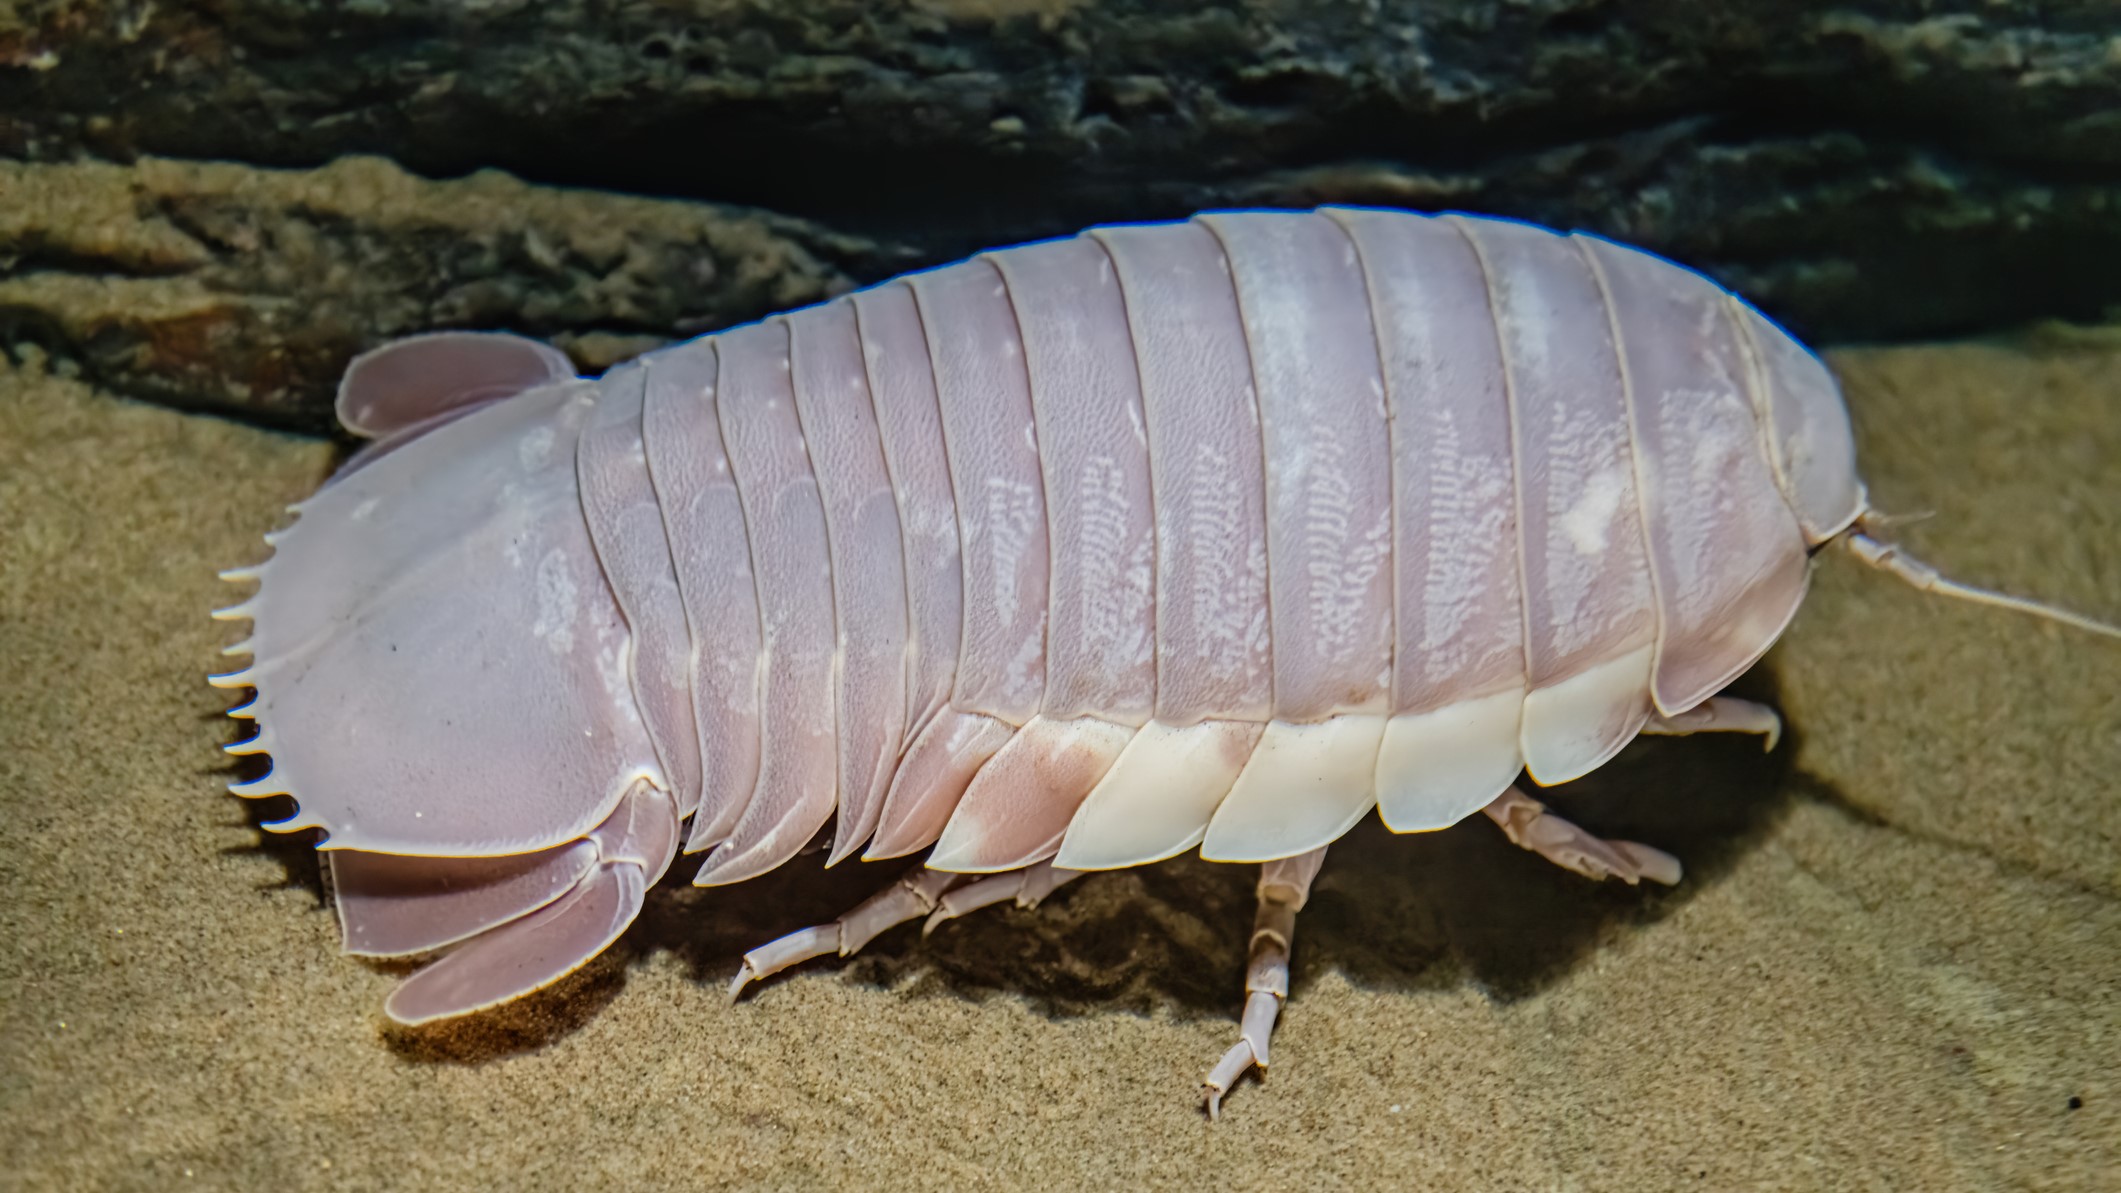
[1284, 886]
[1721, 714]
[1262, 1008]
[1529, 825]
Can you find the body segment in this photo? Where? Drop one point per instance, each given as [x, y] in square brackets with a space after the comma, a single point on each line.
[785, 522]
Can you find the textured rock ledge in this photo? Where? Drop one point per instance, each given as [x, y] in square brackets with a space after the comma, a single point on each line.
[222, 287]
[1871, 168]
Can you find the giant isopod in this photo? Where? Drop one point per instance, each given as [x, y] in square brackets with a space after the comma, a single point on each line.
[1071, 556]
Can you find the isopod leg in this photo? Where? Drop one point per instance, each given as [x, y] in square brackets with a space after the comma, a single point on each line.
[912, 896]
[1284, 886]
[1028, 886]
[1721, 714]
[1529, 824]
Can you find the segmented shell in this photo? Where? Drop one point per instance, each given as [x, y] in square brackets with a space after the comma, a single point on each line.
[1214, 533]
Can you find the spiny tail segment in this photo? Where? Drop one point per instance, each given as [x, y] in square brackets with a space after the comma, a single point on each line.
[515, 941]
[273, 782]
[1891, 559]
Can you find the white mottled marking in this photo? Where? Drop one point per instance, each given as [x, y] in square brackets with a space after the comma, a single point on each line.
[558, 601]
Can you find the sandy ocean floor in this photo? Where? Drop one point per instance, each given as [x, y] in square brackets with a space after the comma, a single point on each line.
[1895, 962]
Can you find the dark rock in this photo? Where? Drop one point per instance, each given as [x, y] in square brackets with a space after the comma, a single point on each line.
[1867, 169]
[224, 287]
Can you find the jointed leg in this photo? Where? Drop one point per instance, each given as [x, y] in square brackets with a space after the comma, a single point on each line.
[916, 894]
[1284, 886]
[1028, 886]
[920, 892]
[1527, 823]
[1721, 714]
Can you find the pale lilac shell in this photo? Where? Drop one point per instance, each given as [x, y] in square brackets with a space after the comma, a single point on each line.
[1216, 533]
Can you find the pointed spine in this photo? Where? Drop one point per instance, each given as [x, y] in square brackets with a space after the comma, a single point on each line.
[233, 679]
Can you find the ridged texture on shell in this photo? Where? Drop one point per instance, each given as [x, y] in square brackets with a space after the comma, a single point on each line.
[1213, 533]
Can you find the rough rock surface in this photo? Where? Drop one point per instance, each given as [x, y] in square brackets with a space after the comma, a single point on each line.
[228, 288]
[1866, 168]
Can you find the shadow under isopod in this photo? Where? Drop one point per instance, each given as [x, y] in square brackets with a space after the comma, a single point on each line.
[1418, 912]
[1432, 910]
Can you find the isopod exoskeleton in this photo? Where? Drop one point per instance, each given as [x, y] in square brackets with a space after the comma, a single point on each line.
[1071, 556]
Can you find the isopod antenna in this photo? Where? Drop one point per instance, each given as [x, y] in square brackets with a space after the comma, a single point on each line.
[1888, 557]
